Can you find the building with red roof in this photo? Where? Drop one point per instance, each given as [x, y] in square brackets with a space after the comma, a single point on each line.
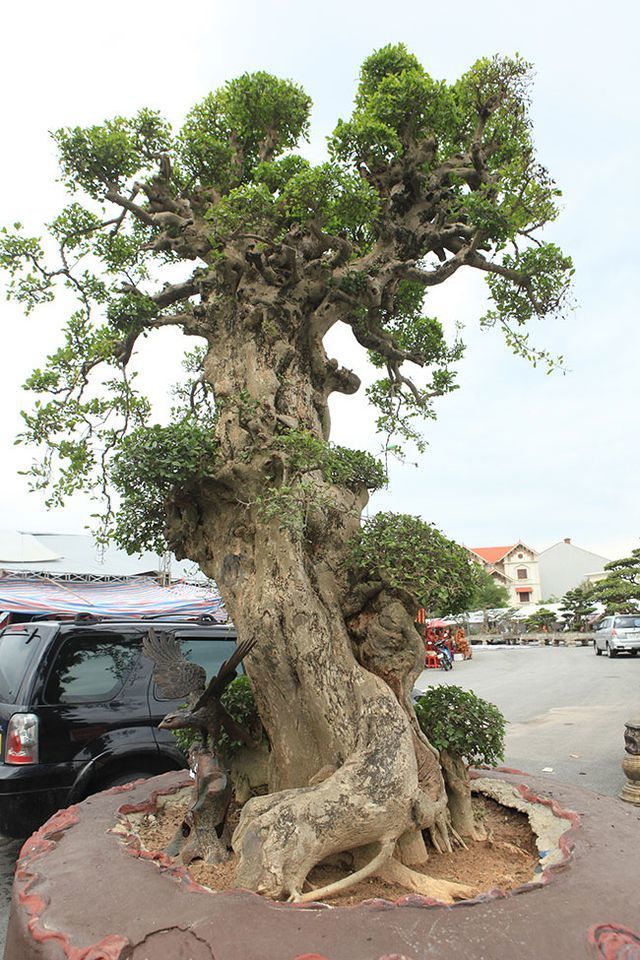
[514, 567]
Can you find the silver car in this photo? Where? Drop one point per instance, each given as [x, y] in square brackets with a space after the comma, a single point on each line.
[618, 634]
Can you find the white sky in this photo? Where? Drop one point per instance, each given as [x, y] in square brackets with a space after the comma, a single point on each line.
[514, 453]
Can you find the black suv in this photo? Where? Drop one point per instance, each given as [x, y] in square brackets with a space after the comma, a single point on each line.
[79, 710]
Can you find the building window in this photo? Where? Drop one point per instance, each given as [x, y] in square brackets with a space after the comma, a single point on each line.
[522, 573]
[524, 597]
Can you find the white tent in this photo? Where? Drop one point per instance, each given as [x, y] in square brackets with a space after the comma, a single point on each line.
[16, 547]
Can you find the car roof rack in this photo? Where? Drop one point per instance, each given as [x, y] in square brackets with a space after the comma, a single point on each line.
[186, 618]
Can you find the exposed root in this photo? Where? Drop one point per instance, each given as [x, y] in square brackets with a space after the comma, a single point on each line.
[444, 890]
[368, 801]
[458, 839]
[439, 833]
[339, 886]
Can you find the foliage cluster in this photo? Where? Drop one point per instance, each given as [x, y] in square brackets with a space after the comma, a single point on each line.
[305, 453]
[578, 607]
[463, 724]
[407, 554]
[459, 154]
[154, 466]
[487, 594]
[619, 591]
[542, 619]
[297, 494]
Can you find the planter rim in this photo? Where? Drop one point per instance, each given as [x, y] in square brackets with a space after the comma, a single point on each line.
[80, 893]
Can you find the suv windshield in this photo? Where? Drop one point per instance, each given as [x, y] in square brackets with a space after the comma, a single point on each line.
[17, 649]
[627, 623]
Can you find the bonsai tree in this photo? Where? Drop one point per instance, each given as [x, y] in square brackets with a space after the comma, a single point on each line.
[542, 619]
[620, 589]
[578, 607]
[468, 731]
[224, 231]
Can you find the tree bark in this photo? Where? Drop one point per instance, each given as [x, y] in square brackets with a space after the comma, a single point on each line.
[323, 713]
[349, 766]
[458, 784]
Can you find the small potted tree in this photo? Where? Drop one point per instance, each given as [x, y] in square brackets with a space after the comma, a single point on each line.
[468, 731]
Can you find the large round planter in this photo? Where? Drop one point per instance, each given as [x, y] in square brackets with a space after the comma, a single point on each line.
[82, 892]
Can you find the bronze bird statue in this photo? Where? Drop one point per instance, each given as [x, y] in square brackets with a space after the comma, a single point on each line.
[178, 677]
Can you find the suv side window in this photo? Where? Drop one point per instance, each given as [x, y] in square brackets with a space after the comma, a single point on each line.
[91, 668]
[605, 624]
[209, 652]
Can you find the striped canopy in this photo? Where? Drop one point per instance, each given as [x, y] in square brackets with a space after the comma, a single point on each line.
[133, 598]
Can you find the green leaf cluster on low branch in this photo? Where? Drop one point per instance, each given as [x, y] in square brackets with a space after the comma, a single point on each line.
[154, 466]
[308, 464]
[466, 726]
[406, 554]
[304, 453]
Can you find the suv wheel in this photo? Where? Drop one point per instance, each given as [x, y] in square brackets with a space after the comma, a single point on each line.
[596, 649]
[611, 653]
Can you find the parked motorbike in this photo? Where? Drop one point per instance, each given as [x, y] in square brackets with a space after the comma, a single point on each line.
[443, 653]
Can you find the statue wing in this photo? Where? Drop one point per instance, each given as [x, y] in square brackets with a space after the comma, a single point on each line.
[218, 684]
[175, 675]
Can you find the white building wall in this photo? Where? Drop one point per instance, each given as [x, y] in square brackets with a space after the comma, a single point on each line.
[564, 567]
[522, 558]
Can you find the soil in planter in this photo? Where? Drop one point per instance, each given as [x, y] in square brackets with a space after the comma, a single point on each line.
[506, 859]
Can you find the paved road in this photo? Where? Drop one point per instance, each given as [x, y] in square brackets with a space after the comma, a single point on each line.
[9, 850]
[558, 701]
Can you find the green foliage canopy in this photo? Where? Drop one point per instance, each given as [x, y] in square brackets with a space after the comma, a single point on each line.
[487, 594]
[466, 726]
[423, 178]
[406, 554]
[541, 619]
[577, 607]
[620, 589]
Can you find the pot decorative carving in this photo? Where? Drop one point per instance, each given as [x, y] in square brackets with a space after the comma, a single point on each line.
[631, 763]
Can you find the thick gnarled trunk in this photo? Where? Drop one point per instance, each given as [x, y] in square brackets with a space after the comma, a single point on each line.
[349, 767]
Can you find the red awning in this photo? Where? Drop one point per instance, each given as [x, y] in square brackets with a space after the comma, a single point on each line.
[524, 589]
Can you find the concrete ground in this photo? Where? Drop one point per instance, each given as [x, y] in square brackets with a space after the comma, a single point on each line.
[9, 850]
[558, 701]
[565, 707]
